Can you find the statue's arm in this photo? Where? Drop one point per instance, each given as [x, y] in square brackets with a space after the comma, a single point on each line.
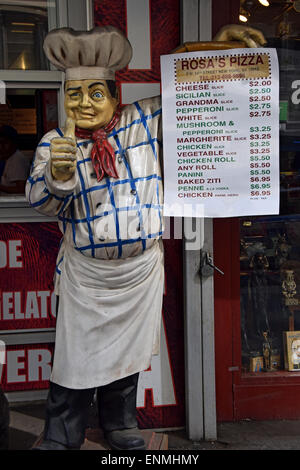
[242, 36]
[45, 193]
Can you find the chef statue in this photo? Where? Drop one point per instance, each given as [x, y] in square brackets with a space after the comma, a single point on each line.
[101, 176]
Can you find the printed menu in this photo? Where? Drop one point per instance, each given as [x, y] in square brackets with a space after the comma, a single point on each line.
[220, 114]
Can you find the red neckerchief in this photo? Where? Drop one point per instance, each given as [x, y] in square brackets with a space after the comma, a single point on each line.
[103, 155]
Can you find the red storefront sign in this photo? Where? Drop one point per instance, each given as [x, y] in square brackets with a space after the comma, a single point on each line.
[27, 262]
[27, 302]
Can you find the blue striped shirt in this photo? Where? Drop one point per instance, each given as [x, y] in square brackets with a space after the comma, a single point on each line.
[113, 218]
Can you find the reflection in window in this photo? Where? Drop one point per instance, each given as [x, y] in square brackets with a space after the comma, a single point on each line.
[23, 26]
[14, 165]
[26, 117]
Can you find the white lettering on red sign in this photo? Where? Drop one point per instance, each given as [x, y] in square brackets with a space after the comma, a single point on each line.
[15, 367]
[23, 366]
[39, 365]
[2, 352]
[10, 254]
[296, 94]
[36, 305]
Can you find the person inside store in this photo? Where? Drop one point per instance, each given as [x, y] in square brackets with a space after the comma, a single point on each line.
[14, 165]
[109, 278]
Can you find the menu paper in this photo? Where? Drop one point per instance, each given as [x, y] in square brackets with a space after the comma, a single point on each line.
[221, 133]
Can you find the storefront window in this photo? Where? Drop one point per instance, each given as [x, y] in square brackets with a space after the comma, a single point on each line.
[270, 245]
[23, 26]
[27, 115]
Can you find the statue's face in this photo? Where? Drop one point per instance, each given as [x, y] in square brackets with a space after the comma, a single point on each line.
[89, 103]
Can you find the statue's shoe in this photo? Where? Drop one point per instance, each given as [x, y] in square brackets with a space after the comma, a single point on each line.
[126, 439]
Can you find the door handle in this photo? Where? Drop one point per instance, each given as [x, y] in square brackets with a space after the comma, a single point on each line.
[207, 265]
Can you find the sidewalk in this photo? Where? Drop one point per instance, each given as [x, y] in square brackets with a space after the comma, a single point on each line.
[27, 421]
[245, 435]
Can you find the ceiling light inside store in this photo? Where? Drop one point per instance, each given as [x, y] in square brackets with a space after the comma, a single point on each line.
[243, 18]
[265, 3]
[21, 62]
[20, 31]
[22, 24]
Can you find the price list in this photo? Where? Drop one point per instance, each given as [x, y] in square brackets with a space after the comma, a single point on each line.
[260, 137]
[221, 132]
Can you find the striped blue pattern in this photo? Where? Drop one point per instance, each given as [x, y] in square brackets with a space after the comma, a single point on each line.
[76, 211]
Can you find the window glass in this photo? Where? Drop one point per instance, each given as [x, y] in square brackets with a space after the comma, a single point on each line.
[26, 117]
[23, 27]
[270, 245]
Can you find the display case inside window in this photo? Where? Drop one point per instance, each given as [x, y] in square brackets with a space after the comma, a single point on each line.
[23, 26]
[270, 245]
[269, 289]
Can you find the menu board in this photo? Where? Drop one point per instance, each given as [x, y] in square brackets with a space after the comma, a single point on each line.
[221, 133]
[24, 120]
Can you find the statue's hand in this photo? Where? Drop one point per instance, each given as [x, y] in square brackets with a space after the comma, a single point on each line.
[242, 36]
[63, 153]
[233, 32]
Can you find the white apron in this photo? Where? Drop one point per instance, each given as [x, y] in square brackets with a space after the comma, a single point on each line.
[109, 317]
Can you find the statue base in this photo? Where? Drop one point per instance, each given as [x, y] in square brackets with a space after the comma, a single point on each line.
[94, 440]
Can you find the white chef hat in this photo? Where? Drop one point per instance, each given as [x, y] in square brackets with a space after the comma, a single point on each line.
[97, 53]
